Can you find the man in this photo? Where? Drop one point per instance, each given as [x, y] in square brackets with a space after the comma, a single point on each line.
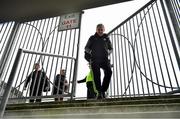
[97, 50]
[39, 83]
[60, 85]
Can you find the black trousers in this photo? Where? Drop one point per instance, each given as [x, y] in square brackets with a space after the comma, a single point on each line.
[91, 94]
[33, 93]
[101, 88]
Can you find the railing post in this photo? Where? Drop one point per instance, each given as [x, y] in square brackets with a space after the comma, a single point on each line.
[7, 89]
[174, 20]
[76, 62]
[8, 48]
[170, 31]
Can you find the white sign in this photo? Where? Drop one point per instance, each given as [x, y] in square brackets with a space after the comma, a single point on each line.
[69, 21]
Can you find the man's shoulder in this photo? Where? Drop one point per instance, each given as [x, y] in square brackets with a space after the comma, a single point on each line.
[105, 35]
[92, 37]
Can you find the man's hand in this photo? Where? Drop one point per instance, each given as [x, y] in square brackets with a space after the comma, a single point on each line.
[47, 89]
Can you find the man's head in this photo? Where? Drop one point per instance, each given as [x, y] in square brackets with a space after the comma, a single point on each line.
[36, 66]
[63, 72]
[100, 29]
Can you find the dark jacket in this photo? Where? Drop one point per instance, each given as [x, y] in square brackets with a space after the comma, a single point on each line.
[98, 47]
[37, 78]
[58, 84]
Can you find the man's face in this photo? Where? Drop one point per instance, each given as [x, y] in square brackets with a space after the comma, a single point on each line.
[36, 66]
[100, 30]
[63, 72]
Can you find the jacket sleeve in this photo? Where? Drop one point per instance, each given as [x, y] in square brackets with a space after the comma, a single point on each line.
[47, 84]
[109, 44]
[28, 80]
[46, 81]
[82, 80]
[88, 45]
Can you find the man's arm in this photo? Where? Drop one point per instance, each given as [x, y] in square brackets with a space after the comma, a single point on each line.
[88, 50]
[82, 80]
[110, 48]
[88, 45]
[47, 84]
[27, 80]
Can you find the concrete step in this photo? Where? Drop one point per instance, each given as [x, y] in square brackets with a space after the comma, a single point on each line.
[136, 107]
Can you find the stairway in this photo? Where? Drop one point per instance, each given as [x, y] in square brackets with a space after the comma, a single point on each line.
[136, 107]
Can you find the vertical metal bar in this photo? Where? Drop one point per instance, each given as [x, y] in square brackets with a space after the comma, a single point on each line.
[51, 48]
[176, 9]
[126, 58]
[23, 58]
[15, 46]
[131, 37]
[156, 48]
[158, 31]
[143, 32]
[68, 47]
[57, 53]
[115, 65]
[21, 81]
[72, 55]
[142, 85]
[113, 55]
[43, 43]
[111, 60]
[123, 62]
[14, 49]
[163, 29]
[6, 37]
[2, 25]
[173, 19]
[76, 61]
[116, 47]
[61, 37]
[120, 75]
[4, 31]
[171, 34]
[129, 49]
[135, 59]
[47, 40]
[9, 83]
[4, 45]
[68, 53]
[8, 47]
[149, 39]
[36, 40]
[23, 55]
[63, 52]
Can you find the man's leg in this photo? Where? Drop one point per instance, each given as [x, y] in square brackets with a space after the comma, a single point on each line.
[39, 94]
[31, 94]
[96, 72]
[90, 90]
[107, 77]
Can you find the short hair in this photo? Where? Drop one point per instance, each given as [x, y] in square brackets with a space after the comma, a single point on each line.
[99, 25]
[37, 64]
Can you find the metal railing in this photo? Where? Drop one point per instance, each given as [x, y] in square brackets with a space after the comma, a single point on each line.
[145, 54]
[41, 42]
[145, 57]
[51, 66]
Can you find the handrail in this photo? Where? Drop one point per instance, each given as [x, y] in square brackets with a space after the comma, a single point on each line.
[142, 8]
[46, 54]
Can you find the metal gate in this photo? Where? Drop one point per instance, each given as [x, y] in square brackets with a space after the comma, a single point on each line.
[146, 53]
[40, 42]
